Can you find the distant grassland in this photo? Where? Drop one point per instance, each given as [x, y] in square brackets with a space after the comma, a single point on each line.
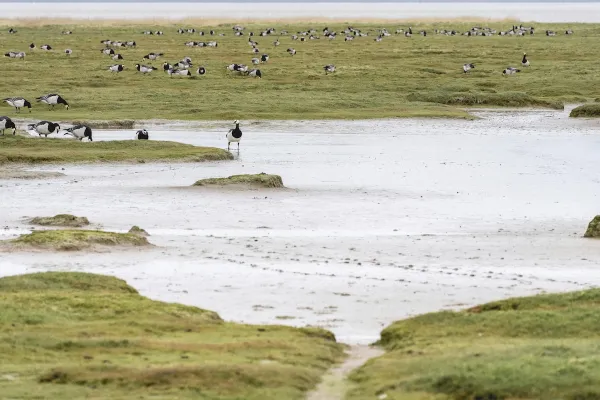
[398, 77]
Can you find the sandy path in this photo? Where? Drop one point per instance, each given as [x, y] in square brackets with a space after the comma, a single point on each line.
[334, 384]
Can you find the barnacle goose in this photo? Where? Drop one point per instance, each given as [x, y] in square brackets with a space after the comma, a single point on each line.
[167, 66]
[32, 46]
[264, 58]
[116, 68]
[291, 51]
[510, 71]
[255, 61]
[180, 72]
[17, 103]
[201, 71]
[117, 57]
[53, 99]
[44, 128]
[68, 52]
[107, 51]
[525, 61]
[67, 32]
[80, 132]
[7, 123]
[255, 73]
[468, 67]
[144, 69]
[234, 135]
[152, 56]
[142, 134]
[329, 68]
[46, 47]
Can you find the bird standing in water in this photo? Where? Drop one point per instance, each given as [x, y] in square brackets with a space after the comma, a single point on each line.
[234, 135]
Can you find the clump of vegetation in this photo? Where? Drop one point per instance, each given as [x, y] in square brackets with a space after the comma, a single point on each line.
[33, 150]
[593, 229]
[136, 230]
[71, 240]
[536, 347]
[261, 180]
[77, 335]
[586, 111]
[507, 99]
[61, 220]
[113, 124]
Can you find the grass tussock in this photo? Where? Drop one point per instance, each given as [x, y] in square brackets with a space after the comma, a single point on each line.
[538, 347]
[513, 99]
[32, 150]
[136, 230]
[115, 124]
[72, 240]
[396, 66]
[80, 335]
[586, 111]
[261, 180]
[593, 229]
[61, 220]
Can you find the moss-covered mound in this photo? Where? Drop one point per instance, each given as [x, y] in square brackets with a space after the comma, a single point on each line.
[540, 347]
[586, 111]
[261, 180]
[70, 240]
[70, 335]
[507, 99]
[61, 220]
[593, 229]
[136, 230]
[111, 124]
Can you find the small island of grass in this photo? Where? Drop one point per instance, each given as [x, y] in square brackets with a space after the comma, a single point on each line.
[136, 230]
[32, 150]
[540, 347]
[72, 335]
[61, 220]
[261, 180]
[593, 229]
[73, 240]
[586, 111]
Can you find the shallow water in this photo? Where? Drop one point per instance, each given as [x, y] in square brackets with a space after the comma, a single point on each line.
[382, 219]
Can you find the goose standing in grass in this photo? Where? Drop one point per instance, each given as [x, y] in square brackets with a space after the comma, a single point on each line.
[108, 52]
[291, 51]
[276, 43]
[525, 61]
[80, 132]
[144, 69]
[510, 71]
[117, 57]
[201, 70]
[234, 135]
[264, 58]
[7, 123]
[17, 103]
[142, 134]
[53, 99]
[255, 73]
[179, 72]
[116, 68]
[68, 52]
[468, 67]
[255, 61]
[152, 56]
[32, 46]
[550, 33]
[46, 47]
[330, 68]
[569, 32]
[44, 128]
[67, 32]
[12, 31]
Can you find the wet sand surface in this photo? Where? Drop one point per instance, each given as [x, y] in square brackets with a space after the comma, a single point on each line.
[381, 219]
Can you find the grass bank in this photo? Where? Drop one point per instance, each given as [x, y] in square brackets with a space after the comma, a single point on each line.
[372, 80]
[261, 180]
[541, 347]
[73, 240]
[586, 111]
[61, 220]
[19, 149]
[78, 335]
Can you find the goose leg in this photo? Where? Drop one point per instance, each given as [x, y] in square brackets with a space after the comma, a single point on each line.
[228, 143]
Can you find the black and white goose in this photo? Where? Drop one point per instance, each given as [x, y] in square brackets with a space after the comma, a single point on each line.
[276, 43]
[255, 73]
[234, 135]
[7, 123]
[44, 128]
[32, 46]
[116, 68]
[142, 134]
[53, 99]
[12, 31]
[201, 71]
[117, 57]
[291, 51]
[108, 52]
[264, 58]
[525, 61]
[46, 47]
[144, 69]
[67, 32]
[68, 52]
[179, 72]
[152, 56]
[550, 33]
[330, 68]
[17, 103]
[167, 66]
[80, 132]
[255, 61]
[510, 71]
[468, 67]
[569, 32]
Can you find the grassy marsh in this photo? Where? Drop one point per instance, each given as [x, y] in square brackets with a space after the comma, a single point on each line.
[538, 347]
[261, 180]
[73, 240]
[61, 220]
[31, 150]
[372, 79]
[79, 335]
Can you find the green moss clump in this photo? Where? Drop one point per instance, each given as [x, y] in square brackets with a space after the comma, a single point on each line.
[537, 347]
[593, 229]
[74, 335]
[261, 180]
[136, 230]
[61, 220]
[586, 111]
[77, 239]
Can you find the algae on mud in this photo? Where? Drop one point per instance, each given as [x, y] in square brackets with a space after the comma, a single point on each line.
[32, 150]
[593, 229]
[537, 347]
[74, 240]
[80, 335]
[261, 180]
[372, 79]
[61, 220]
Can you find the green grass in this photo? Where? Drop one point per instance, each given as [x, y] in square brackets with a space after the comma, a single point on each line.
[541, 347]
[61, 220]
[593, 229]
[69, 240]
[70, 335]
[586, 111]
[254, 180]
[19, 149]
[372, 79]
